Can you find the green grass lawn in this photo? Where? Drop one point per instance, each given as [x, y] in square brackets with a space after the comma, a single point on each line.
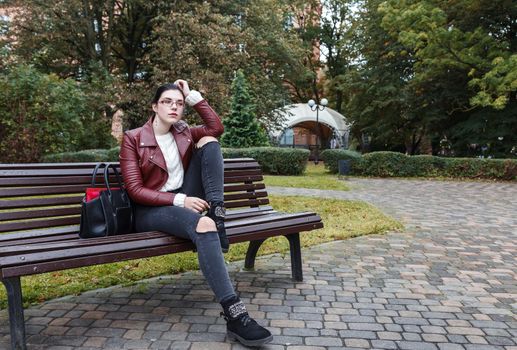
[342, 219]
[315, 177]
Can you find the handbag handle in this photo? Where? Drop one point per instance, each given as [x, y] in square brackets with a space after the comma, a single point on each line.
[106, 178]
[94, 174]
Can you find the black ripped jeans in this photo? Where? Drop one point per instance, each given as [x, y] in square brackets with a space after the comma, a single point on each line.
[204, 179]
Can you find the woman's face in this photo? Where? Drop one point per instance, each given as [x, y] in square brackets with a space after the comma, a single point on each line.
[170, 107]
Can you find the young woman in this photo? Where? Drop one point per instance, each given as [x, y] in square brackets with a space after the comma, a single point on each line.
[173, 173]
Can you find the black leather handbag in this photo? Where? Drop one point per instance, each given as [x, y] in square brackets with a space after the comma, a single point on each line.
[108, 214]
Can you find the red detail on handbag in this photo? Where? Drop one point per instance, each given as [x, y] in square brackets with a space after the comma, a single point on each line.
[94, 192]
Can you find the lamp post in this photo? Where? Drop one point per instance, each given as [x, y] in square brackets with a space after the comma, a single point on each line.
[317, 107]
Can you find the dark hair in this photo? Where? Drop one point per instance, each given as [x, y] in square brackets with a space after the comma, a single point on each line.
[163, 88]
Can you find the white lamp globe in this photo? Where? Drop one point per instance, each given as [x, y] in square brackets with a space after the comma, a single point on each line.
[311, 103]
[324, 102]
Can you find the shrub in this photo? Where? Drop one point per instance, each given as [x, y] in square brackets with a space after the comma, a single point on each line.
[505, 169]
[392, 164]
[112, 154]
[89, 155]
[425, 165]
[331, 157]
[42, 114]
[273, 160]
[384, 164]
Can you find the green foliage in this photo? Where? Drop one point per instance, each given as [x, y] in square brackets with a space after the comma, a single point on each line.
[485, 58]
[394, 164]
[384, 164]
[241, 126]
[42, 114]
[505, 169]
[113, 153]
[331, 157]
[430, 70]
[273, 160]
[88, 155]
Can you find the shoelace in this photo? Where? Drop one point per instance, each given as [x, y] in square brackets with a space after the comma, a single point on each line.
[244, 319]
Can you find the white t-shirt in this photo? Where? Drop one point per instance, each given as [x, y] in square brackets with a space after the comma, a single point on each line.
[174, 166]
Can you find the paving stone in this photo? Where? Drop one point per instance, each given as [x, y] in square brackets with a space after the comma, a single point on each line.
[409, 345]
[323, 341]
[411, 337]
[357, 334]
[464, 331]
[301, 332]
[450, 346]
[287, 340]
[357, 343]
[366, 326]
[434, 338]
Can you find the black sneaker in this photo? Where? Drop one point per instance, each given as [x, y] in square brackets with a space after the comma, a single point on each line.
[217, 212]
[240, 326]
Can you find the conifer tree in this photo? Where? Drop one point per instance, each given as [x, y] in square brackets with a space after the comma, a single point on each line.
[241, 126]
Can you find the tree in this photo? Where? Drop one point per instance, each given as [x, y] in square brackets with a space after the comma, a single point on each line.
[212, 40]
[464, 61]
[336, 35]
[42, 114]
[241, 126]
[377, 96]
[428, 70]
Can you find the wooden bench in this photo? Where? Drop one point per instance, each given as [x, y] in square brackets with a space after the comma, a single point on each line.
[39, 220]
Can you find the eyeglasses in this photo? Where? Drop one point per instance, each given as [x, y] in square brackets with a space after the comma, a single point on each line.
[169, 103]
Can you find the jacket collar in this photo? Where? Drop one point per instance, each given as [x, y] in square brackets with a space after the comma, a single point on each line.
[147, 137]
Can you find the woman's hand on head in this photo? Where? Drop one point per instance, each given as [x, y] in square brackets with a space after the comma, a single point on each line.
[183, 85]
[197, 204]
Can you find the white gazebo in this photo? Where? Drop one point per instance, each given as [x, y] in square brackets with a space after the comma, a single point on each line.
[300, 128]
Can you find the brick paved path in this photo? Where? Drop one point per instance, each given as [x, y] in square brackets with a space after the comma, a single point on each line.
[448, 282]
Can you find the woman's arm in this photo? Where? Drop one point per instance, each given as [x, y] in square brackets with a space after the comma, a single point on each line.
[133, 177]
[212, 125]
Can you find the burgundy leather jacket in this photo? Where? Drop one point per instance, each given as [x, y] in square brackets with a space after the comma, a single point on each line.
[143, 164]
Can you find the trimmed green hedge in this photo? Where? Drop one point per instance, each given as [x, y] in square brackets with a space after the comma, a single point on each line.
[394, 164]
[278, 161]
[273, 160]
[331, 157]
[88, 155]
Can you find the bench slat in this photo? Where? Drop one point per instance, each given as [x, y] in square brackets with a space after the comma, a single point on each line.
[235, 179]
[245, 187]
[51, 242]
[40, 202]
[54, 242]
[139, 253]
[34, 224]
[112, 244]
[74, 241]
[50, 233]
[245, 195]
[251, 202]
[40, 213]
[229, 164]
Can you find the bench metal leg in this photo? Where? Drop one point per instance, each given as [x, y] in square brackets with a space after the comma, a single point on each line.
[251, 254]
[16, 320]
[296, 256]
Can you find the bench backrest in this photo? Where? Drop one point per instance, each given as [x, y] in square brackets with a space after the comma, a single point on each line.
[45, 199]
